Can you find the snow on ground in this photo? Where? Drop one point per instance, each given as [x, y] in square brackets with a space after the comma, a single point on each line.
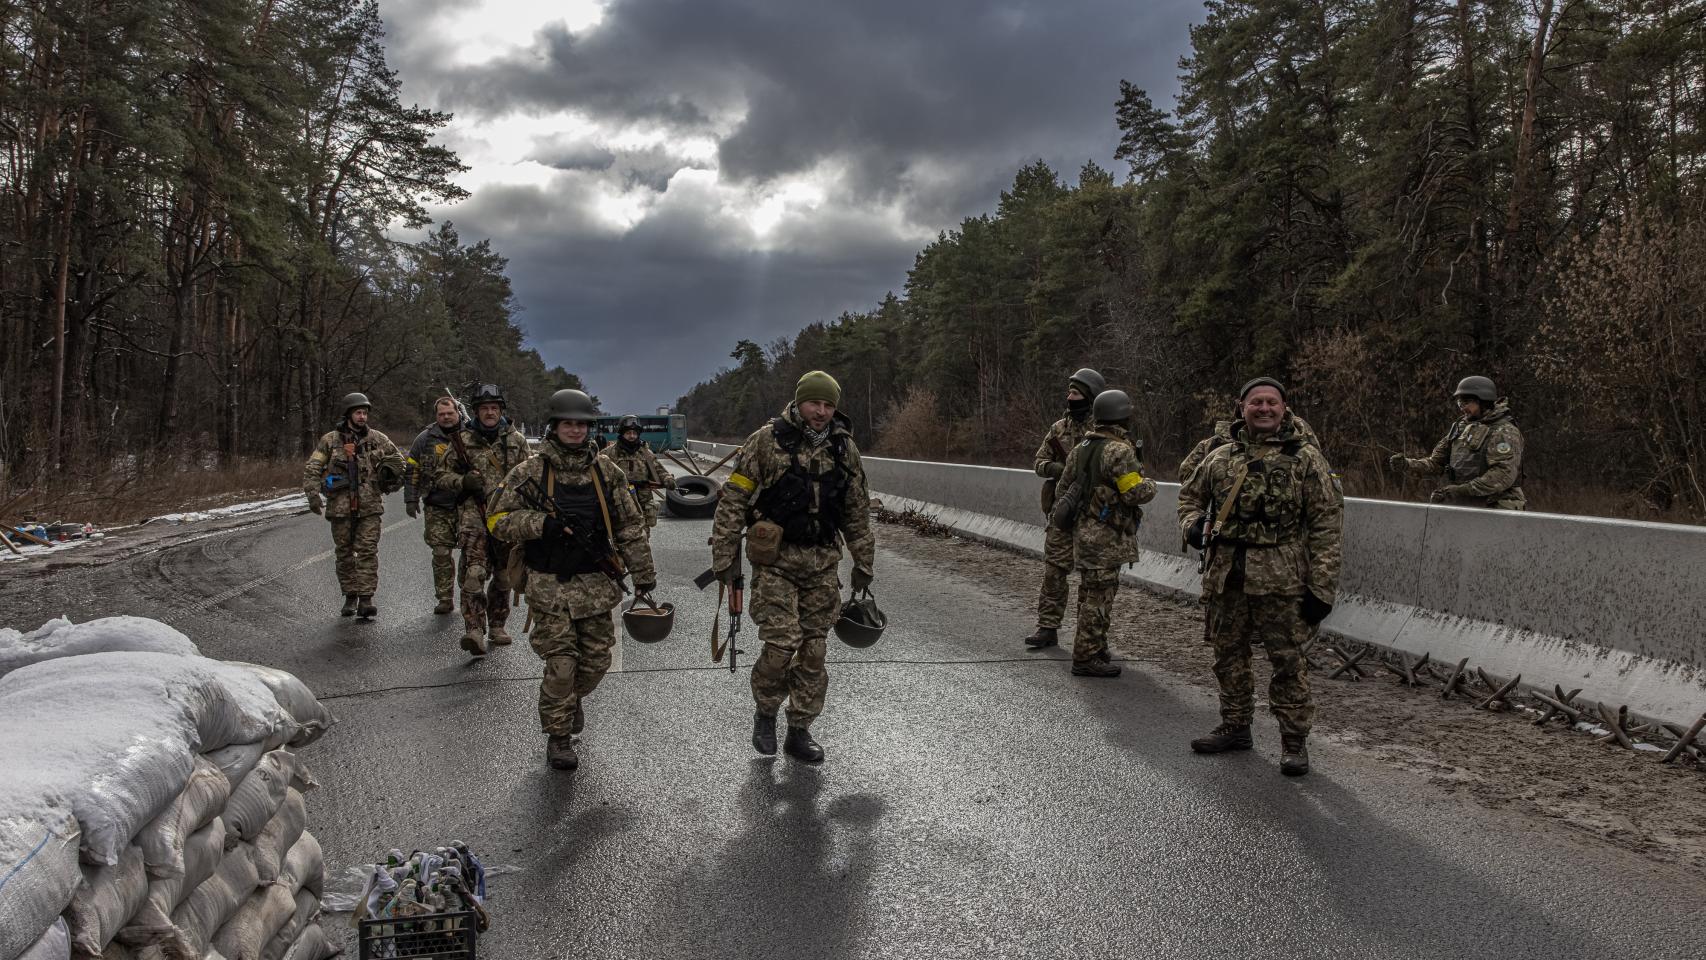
[28, 550]
[288, 502]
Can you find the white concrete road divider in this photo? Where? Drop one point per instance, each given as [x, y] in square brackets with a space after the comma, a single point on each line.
[1616, 607]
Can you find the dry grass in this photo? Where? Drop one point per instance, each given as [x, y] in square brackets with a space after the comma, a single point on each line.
[129, 495]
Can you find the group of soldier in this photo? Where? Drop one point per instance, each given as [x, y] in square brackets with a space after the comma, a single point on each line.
[568, 525]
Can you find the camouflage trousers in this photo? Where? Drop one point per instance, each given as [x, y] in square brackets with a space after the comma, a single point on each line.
[793, 621]
[356, 541]
[1057, 566]
[440, 535]
[576, 655]
[1235, 619]
[485, 581]
[1096, 592]
[649, 506]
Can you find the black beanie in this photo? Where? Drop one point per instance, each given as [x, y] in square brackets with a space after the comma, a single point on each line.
[1261, 382]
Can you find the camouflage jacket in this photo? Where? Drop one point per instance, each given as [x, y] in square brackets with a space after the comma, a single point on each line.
[1222, 436]
[642, 467]
[1285, 530]
[760, 464]
[424, 455]
[363, 469]
[1066, 433]
[514, 520]
[1482, 460]
[491, 459]
[1106, 533]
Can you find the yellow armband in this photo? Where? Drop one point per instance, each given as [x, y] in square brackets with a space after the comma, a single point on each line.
[742, 483]
[492, 521]
[1128, 481]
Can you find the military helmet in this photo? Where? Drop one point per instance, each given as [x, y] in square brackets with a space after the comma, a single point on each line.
[1089, 382]
[489, 393]
[1480, 388]
[649, 625]
[356, 400]
[629, 420]
[1112, 406]
[861, 623]
[571, 405]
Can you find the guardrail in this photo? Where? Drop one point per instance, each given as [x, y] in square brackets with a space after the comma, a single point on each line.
[1616, 607]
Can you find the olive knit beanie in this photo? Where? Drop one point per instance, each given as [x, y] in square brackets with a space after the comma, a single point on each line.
[818, 385]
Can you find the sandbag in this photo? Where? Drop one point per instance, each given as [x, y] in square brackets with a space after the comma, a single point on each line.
[106, 899]
[258, 797]
[38, 877]
[307, 911]
[313, 944]
[295, 697]
[304, 867]
[213, 902]
[257, 920]
[53, 944]
[278, 836]
[203, 852]
[236, 760]
[162, 841]
[62, 638]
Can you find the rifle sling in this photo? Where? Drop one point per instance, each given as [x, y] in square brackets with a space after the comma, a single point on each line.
[1231, 498]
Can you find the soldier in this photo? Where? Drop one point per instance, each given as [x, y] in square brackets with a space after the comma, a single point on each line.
[354, 466]
[440, 525]
[1481, 455]
[474, 462]
[1099, 506]
[799, 484]
[1268, 513]
[1222, 436]
[579, 525]
[637, 460]
[1062, 437]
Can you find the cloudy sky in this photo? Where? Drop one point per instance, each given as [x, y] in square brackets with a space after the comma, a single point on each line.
[668, 176]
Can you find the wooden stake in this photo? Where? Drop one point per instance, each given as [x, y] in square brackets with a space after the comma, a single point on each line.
[1555, 707]
[1406, 672]
[1686, 740]
[1349, 663]
[14, 531]
[8, 542]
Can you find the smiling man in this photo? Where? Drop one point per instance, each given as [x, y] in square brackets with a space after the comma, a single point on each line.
[1480, 457]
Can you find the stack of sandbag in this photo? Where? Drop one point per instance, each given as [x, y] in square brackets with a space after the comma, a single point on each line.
[152, 805]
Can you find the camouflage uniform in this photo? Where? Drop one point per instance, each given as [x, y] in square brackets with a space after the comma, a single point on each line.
[795, 600]
[642, 467]
[1104, 536]
[1063, 436]
[573, 628]
[1222, 436]
[439, 520]
[1482, 459]
[485, 564]
[356, 509]
[1282, 537]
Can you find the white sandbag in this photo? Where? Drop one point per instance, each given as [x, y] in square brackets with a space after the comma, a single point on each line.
[295, 697]
[38, 877]
[307, 911]
[258, 797]
[304, 866]
[216, 899]
[257, 920]
[278, 836]
[313, 944]
[203, 852]
[54, 944]
[62, 638]
[236, 760]
[106, 899]
[162, 841]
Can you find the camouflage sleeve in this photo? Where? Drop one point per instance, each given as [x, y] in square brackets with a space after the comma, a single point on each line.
[314, 471]
[659, 475]
[743, 484]
[447, 472]
[1504, 464]
[630, 526]
[1323, 525]
[510, 519]
[1122, 472]
[856, 515]
[1048, 464]
[1433, 464]
[1194, 459]
[1195, 493]
[412, 479]
[390, 454]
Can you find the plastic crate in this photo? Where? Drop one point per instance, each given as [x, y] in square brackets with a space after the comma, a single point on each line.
[438, 936]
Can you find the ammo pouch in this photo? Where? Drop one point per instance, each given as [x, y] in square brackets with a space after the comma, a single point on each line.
[1064, 514]
[764, 543]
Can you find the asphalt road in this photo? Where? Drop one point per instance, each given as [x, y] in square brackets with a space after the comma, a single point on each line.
[976, 802]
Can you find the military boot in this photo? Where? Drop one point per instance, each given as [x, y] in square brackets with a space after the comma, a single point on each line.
[1227, 736]
[474, 641]
[349, 605]
[560, 753]
[500, 637]
[365, 608]
[1294, 760]
[579, 722]
[801, 746]
[445, 605]
[1044, 637]
[1095, 667]
[764, 733]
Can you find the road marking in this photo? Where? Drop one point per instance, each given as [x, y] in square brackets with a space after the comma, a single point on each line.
[207, 603]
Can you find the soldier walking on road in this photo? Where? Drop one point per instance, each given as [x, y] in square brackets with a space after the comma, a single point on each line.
[1480, 456]
[798, 483]
[1268, 513]
[475, 461]
[1062, 437]
[581, 531]
[637, 460]
[440, 534]
[1098, 506]
[352, 468]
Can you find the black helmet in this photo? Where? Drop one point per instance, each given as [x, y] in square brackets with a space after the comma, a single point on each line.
[571, 405]
[1480, 388]
[861, 623]
[1112, 406]
[489, 393]
[355, 400]
[649, 625]
[1088, 381]
[628, 420]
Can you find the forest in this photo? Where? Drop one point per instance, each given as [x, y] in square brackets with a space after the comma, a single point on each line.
[199, 250]
[1369, 199]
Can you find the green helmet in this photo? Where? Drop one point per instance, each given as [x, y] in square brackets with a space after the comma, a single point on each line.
[861, 623]
[1089, 382]
[627, 421]
[571, 405]
[1480, 388]
[356, 400]
[1112, 406]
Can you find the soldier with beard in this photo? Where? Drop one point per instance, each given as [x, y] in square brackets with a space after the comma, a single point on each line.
[637, 460]
[1062, 437]
[1480, 456]
[354, 467]
[474, 462]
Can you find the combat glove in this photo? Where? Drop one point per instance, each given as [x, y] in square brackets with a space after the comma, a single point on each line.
[862, 579]
[1053, 469]
[1315, 609]
[412, 508]
[1197, 533]
[315, 503]
[1398, 462]
[1443, 494]
[472, 483]
[644, 589]
[669, 483]
[553, 528]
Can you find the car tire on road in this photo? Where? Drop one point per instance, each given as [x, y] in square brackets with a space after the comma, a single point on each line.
[694, 498]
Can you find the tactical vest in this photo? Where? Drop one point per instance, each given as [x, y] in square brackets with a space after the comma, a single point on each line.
[1468, 458]
[806, 504]
[1269, 510]
[1103, 505]
[577, 507]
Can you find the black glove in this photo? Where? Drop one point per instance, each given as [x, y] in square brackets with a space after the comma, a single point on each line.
[862, 579]
[412, 508]
[1398, 462]
[1197, 533]
[1053, 469]
[473, 483]
[553, 528]
[1443, 494]
[1315, 609]
[315, 504]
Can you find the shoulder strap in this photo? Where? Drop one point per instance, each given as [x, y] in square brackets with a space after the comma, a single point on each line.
[603, 507]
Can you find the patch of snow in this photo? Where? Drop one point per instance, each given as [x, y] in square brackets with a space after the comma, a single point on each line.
[62, 638]
[28, 550]
[1650, 748]
[274, 505]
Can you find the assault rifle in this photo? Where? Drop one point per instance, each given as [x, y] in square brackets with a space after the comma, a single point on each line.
[609, 562]
[736, 593]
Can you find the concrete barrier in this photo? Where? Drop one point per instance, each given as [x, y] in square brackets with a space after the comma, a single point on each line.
[1615, 607]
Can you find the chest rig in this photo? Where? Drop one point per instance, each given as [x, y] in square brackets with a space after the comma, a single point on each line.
[1269, 508]
[578, 507]
[806, 503]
